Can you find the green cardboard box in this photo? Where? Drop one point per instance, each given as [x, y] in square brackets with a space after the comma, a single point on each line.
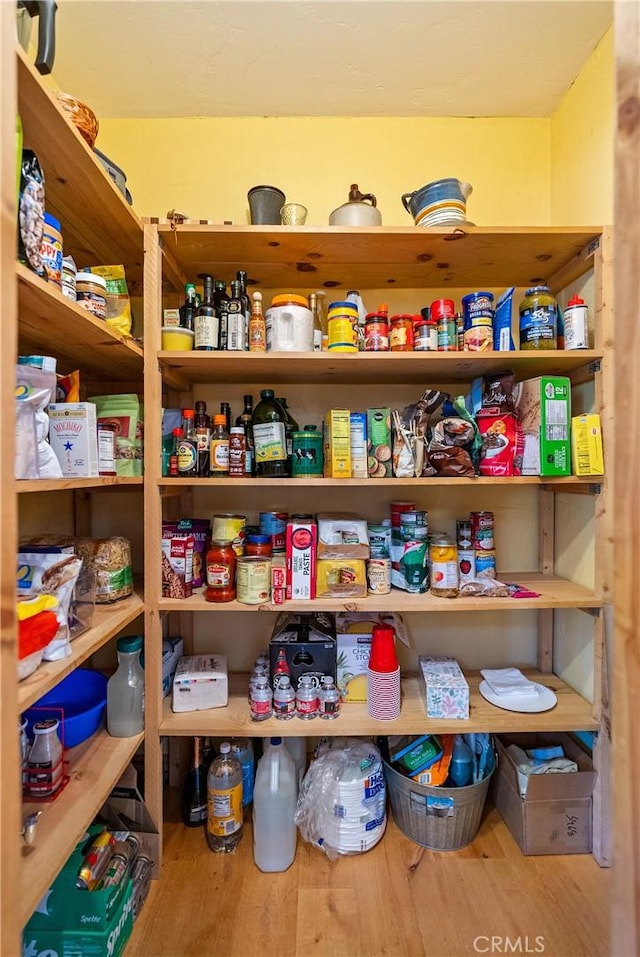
[543, 407]
[69, 922]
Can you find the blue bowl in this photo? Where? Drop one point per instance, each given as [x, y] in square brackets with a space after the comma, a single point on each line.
[78, 701]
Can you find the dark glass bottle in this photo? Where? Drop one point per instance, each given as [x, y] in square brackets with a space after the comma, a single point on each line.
[241, 276]
[194, 794]
[269, 437]
[202, 422]
[236, 321]
[221, 300]
[225, 409]
[244, 419]
[189, 307]
[188, 446]
[206, 321]
[290, 426]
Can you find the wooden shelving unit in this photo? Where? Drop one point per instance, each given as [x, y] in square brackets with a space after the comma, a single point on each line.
[571, 713]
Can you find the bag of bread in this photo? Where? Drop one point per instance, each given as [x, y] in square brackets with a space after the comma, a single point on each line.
[110, 559]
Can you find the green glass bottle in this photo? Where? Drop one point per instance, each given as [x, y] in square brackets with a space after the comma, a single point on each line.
[270, 437]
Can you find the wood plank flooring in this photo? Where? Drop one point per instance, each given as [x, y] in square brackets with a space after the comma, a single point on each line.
[398, 900]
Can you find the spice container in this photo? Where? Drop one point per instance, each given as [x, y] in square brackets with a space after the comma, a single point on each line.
[444, 313]
[401, 333]
[51, 249]
[443, 557]
[576, 330]
[69, 278]
[91, 293]
[237, 452]
[538, 319]
[221, 571]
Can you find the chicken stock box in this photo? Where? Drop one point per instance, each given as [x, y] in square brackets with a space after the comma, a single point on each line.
[543, 408]
[555, 815]
[309, 644]
[69, 922]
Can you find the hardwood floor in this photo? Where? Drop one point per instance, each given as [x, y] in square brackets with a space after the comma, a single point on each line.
[398, 900]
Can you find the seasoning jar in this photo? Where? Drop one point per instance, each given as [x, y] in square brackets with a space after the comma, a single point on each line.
[91, 293]
[221, 571]
[258, 545]
[443, 559]
[425, 334]
[376, 332]
[51, 249]
[69, 271]
[237, 452]
[401, 333]
[538, 319]
[444, 313]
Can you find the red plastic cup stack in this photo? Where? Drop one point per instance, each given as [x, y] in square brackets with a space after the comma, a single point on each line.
[383, 686]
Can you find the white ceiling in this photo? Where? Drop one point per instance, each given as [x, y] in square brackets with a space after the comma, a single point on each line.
[153, 58]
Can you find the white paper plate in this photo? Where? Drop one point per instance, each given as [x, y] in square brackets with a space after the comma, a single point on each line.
[543, 701]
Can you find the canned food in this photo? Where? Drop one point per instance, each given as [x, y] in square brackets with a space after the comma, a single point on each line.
[379, 540]
[443, 556]
[253, 585]
[306, 453]
[482, 531]
[342, 335]
[379, 576]
[397, 508]
[228, 526]
[466, 565]
[275, 524]
[485, 563]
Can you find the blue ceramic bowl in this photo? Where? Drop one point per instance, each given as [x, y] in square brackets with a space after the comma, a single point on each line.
[79, 702]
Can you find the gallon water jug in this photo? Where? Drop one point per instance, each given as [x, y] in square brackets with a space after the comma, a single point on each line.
[274, 807]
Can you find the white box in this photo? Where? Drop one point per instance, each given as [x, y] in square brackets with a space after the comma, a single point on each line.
[200, 682]
[172, 649]
[73, 436]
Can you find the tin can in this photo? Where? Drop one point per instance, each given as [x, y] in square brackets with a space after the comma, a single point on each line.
[485, 563]
[229, 527]
[466, 565]
[379, 541]
[477, 311]
[306, 454]
[482, 531]
[376, 332]
[253, 585]
[275, 524]
[379, 576]
[397, 508]
[413, 526]
[342, 335]
[413, 566]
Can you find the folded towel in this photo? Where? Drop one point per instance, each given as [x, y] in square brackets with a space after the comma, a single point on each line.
[509, 681]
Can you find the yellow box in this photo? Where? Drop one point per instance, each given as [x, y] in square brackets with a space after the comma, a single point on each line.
[337, 444]
[341, 578]
[586, 445]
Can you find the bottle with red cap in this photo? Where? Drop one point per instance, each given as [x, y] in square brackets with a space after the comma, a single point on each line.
[576, 326]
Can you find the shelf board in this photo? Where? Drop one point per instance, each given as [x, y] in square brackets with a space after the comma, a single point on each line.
[108, 621]
[77, 484]
[554, 593]
[390, 483]
[95, 766]
[50, 324]
[572, 713]
[98, 226]
[380, 257]
[360, 368]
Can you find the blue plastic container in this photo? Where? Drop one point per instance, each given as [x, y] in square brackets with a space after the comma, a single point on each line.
[82, 698]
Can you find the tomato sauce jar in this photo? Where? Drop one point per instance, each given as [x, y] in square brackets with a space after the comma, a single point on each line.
[401, 333]
[221, 571]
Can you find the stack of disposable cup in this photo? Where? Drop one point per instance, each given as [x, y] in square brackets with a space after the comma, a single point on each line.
[383, 685]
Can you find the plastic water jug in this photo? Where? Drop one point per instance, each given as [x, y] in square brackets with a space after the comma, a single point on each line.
[274, 807]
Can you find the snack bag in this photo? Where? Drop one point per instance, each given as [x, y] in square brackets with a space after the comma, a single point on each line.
[118, 316]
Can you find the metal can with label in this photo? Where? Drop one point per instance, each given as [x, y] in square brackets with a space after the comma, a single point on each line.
[482, 531]
[232, 527]
[275, 524]
[485, 563]
[466, 565]
[379, 540]
[253, 584]
[379, 576]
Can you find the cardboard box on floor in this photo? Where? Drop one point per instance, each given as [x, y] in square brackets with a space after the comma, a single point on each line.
[125, 810]
[555, 816]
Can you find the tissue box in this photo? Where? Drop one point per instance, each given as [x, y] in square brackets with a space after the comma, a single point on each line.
[446, 690]
[342, 535]
[200, 682]
[172, 649]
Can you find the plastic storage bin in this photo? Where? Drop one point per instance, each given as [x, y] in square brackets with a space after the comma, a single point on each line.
[78, 701]
[442, 819]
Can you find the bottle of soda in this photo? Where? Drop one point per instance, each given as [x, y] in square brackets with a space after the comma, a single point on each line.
[194, 793]
[281, 669]
[224, 801]
[269, 437]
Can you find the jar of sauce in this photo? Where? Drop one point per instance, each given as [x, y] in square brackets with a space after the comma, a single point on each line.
[425, 335]
[221, 571]
[258, 545]
[538, 319]
[376, 332]
[444, 313]
[401, 333]
[443, 559]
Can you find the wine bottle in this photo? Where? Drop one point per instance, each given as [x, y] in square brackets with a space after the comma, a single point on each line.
[206, 322]
[194, 795]
[221, 301]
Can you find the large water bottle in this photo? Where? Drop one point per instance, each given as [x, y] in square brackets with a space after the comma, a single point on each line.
[242, 748]
[224, 804]
[274, 807]
[297, 748]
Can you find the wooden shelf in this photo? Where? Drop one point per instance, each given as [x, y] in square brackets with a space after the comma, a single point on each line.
[356, 258]
[108, 621]
[77, 484]
[390, 483]
[98, 226]
[54, 325]
[572, 713]
[370, 368]
[95, 766]
[554, 593]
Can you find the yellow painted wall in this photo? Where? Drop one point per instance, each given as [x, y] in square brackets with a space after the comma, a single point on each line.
[582, 140]
[205, 166]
